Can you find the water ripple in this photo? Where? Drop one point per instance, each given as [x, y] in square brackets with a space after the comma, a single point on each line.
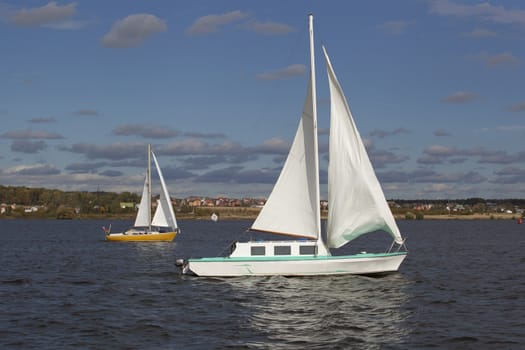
[461, 287]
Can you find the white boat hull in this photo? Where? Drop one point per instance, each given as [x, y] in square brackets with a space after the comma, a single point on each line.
[359, 264]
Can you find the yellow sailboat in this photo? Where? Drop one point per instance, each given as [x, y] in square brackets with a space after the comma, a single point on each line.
[163, 226]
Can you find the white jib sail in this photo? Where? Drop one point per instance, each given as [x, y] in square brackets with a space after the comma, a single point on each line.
[356, 203]
[160, 218]
[291, 207]
[168, 215]
[143, 214]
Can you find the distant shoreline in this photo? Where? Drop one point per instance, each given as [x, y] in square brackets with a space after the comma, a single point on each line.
[397, 217]
[251, 214]
[493, 216]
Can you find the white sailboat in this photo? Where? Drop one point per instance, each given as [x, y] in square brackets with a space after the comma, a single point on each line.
[163, 226]
[356, 204]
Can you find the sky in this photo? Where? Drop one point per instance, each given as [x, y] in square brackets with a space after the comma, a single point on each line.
[436, 88]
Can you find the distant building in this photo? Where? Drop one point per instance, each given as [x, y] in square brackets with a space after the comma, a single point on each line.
[124, 205]
[194, 202]
[32, 209]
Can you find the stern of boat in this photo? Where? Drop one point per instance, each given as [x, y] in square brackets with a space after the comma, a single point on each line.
[183, 266]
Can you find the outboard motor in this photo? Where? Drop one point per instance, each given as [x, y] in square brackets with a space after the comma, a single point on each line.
[181, 265]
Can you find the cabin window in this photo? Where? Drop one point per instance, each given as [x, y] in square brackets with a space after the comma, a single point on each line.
[258, 251]
[307, 249]
[282, 250]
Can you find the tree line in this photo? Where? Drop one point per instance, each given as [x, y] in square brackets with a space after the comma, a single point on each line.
[64, 204]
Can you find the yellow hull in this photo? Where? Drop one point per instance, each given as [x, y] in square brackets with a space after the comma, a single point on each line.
[150, 237]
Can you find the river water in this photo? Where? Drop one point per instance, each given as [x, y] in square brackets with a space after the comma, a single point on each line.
[62, 286]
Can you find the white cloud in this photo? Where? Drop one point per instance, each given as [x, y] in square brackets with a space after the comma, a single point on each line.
[442, 151]
[502, 59]
[432, 177]
[459, 97]
[495, 60]
[26, 146]
[42, 120]
[438, 188]
[146, 131]
[520, 107]
[483, 11]
[512, 128]
[480, 33]
[394, 27]
[274, 145]
[212, 23]
[198, 147]
[38, 176]
[381, 158]
[67, 25]
[116, 151]
[287, 72]
[441, 132]
[50, 15]
[133, 30]
[438, 153]
[29, 134]
[32, 170]
[384, 133]
[510, 175]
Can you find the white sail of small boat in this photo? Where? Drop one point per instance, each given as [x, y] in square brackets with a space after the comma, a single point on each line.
[357, 204]
[143, 218]
[214, 217]
[163, 225]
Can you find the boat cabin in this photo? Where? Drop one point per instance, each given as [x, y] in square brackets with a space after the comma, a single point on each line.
[274, 248]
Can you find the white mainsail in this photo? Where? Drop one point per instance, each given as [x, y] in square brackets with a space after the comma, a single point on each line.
[356, 203]
[292, 205]
[144, 213]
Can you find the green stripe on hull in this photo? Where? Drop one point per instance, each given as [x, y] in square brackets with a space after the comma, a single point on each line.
[297, 258]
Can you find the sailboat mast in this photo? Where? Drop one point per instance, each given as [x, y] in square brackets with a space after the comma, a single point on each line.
[149, 186]
[314, 119]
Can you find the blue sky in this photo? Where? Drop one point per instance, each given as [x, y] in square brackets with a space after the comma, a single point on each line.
[437, 89]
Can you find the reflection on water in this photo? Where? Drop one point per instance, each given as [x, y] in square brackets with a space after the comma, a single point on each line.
[337, 311]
